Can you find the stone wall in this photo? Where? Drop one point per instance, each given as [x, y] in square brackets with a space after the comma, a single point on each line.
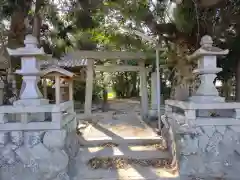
[37, 155]
[169, 134]
[212, 150]
[205, 146]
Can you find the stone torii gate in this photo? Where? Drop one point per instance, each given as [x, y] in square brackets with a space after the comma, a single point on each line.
[91, 56]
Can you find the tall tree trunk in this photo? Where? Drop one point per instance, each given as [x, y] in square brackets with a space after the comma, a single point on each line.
[15, 40]
[134, 91]
[237, 77]
[226, 88]
[17, 25]
[37, 21]
[17, 29]
[17, 33]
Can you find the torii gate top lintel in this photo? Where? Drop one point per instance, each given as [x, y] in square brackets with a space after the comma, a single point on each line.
[103, 55]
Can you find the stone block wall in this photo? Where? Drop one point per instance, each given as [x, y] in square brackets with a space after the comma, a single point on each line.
[213, 151]
[36, 155]
[205, 147]
[171, 137]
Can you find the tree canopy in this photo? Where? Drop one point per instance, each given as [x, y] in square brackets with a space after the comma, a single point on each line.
[178, 25]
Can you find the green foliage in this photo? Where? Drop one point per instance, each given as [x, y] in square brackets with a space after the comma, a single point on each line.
[79, 91]
[229, 62]
[125, 84]
[93, 25]
[185, 16]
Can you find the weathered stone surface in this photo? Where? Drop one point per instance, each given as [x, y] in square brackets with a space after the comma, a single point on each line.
[16, 172]
[44, 163]
[237, 147]
[214, 141]
[203, 141]
[231, 166]
[25, 156]
[32, 138]
[208, 130]
[17, 137]
[62, 176]
[225, 149]
[40, 152]
[12, 146]
[72, 144]
[50, 167]
[229, 137]
[217, 153]
[189, 145]
[4, 137]
[55, 139]
[221, 129]
[216, 168]
[8, 156]
[191, 165]
[235, 128]
[30, 156]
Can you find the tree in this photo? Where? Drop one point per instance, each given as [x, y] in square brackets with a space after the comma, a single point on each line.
[98, 24]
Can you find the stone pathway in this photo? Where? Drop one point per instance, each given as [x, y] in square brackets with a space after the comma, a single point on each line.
[133, 173]
[120, 128]
[131, 137]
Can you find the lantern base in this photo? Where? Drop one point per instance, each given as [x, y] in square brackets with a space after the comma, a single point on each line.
[207, 99]
[31, 102]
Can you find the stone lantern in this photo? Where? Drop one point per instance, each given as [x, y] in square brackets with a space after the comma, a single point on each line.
[207, 69]
[30, 93]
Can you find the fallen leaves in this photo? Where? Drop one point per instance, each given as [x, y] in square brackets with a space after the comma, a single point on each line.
[124, 163]
[109, 144]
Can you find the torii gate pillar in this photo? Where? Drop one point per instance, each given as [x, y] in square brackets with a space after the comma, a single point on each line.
[89, 88]
[143, 89]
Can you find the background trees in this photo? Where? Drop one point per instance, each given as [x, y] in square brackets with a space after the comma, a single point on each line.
[62, 25]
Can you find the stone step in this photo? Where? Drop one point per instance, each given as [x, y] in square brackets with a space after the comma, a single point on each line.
[97, 141]
[132, 173]
[137, 178]
[127, 152]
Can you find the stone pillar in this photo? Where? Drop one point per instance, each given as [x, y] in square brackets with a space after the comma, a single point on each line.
[143, 88]
[63, 93]
[89, 88]
[1, 92]
[153, 112]
[70, 91]
[57, 90]
[45, 88]
[154, 91]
